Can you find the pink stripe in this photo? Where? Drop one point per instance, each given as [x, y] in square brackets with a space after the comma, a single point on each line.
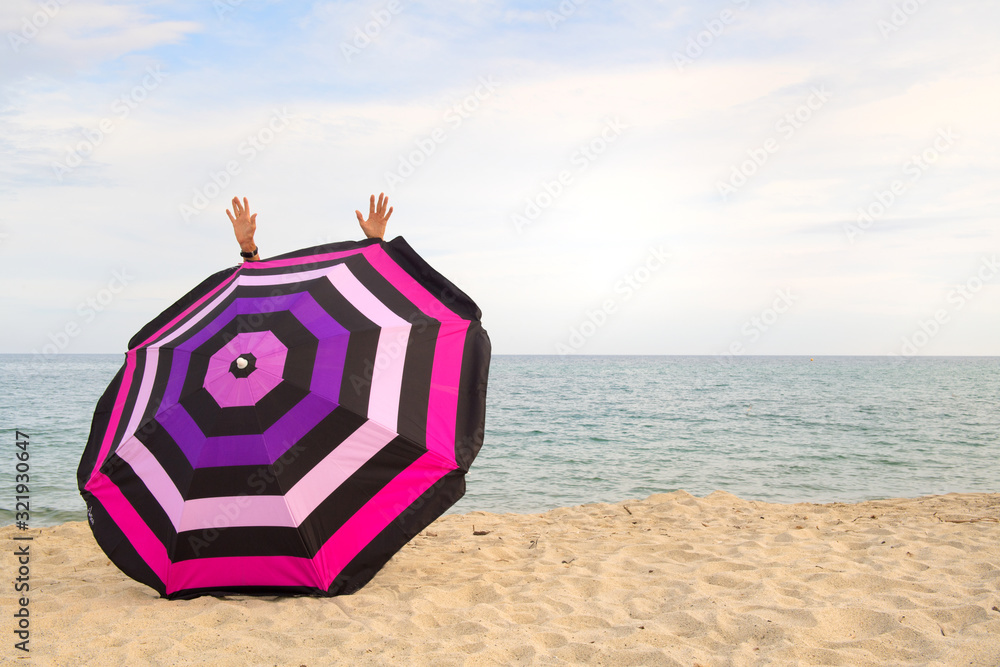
[145, 389]
[332, 557]
[150, 549]
[442, 407]
[288, 510]
[390, 355]
[219, 512]
[154, 478]
[243, 571]
[284, 278]
[406, 284]
[273, 263]
[348, 457]
[378, 513]
[116, 412]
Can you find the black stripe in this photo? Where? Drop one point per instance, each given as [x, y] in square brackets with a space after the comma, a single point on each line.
[119, 550]
[418, 362]
[204, 315]
[131, 397]
[358, 489]
[167, 453]
[470, 418]
[98, 427]
[238, 541]
[384, 291]
[443, 289]
[421, 513]
[164, 363]
[414, 390]
[102, 420]
[355, 387]
[120, 472]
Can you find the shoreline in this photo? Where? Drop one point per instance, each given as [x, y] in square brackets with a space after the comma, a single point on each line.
[82, 518]
[670, 579]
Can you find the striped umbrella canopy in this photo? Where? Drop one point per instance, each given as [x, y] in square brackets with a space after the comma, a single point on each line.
[289, 424]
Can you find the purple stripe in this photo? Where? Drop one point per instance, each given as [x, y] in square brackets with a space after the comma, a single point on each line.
[211, 328]
[178, 370]
[183, 429]
[328, 369]
[237, 450]
[302, 305]
[315, 318]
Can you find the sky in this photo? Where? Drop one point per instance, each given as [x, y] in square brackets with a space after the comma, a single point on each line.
[717, 178]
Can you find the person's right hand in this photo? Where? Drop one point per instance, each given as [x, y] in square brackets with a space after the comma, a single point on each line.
[374, 226]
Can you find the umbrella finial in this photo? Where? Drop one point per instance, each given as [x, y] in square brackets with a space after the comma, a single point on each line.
[241, 363]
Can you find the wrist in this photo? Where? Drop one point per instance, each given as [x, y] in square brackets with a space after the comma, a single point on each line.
[247, 246]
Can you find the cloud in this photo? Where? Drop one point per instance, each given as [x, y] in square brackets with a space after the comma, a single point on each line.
[61, 37]
[685, 132]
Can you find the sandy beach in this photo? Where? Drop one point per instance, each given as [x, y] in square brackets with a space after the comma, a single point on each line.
[670, 580]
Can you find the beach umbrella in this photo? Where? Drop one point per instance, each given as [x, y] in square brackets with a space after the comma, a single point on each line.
[289, 424]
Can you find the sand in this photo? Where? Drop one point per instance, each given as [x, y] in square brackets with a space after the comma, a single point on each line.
[669, 580]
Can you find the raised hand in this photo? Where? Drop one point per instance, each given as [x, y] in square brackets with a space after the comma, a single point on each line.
[374, 226]
[244, 224]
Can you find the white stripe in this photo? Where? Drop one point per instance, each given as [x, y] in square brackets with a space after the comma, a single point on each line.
[390, 355]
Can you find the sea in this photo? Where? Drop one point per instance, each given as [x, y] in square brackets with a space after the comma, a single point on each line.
[570, 430]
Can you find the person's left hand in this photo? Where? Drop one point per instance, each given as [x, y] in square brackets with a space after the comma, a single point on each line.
[244, 224]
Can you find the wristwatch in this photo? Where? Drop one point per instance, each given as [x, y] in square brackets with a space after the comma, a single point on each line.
[248, 255]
